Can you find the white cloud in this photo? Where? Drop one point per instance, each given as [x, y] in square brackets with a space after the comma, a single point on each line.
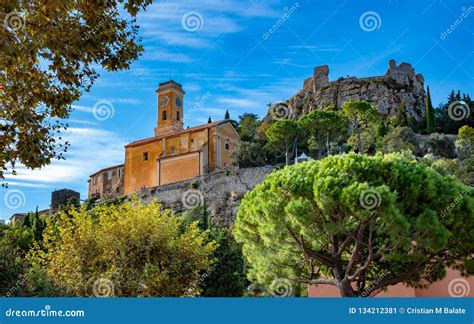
[162, 21]
[129, 101]
[162, 55]
[214, 111]
[318, 48]
[177, 38]
[91, 150]
[81, 122]
[16, 184]
[82, 108]
[238, 102]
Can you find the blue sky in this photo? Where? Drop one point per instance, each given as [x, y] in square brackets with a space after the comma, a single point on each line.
[225, 57]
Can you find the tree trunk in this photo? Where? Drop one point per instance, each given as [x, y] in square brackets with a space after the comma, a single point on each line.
[287, 155]
[328, 147]
[320, 154]
[345, 288]
[359, 139]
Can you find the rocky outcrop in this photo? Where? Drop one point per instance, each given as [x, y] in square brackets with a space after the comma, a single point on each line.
[399, 86]
[220, 192]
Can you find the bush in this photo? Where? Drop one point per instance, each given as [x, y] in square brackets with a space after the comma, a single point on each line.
[226, 278]
[465, 142]
[123, 250]
[442, 146]
[250, 154]
[399, 139]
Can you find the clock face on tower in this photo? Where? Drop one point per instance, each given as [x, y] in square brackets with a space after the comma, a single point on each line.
[164, 100]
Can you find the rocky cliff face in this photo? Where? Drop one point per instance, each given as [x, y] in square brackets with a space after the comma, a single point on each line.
[400, 85]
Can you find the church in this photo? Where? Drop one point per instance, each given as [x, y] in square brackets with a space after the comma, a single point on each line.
[173, 154]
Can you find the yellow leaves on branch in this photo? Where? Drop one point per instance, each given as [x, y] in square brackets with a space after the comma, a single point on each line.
[141, 250]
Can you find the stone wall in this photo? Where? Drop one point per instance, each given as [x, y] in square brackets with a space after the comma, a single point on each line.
[220, 192]
[400, 85]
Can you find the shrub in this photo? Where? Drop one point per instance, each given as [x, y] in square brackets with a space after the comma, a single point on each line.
[442, 146]
[123, 250]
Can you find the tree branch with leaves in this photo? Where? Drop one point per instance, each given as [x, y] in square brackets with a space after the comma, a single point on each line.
[50, 52]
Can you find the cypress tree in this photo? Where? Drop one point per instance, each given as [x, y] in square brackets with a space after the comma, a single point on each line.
[227, 115]
[38, 226]
[27, 221]
[430, 116]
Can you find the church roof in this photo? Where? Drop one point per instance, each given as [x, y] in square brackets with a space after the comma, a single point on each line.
[192, 129]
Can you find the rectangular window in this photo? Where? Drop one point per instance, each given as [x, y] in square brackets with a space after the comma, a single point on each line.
[119, 173]
[100, 178]
[145, 156]
[109, 175]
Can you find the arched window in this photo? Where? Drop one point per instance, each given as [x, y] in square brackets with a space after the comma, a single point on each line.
[163, 117]
[177, 115]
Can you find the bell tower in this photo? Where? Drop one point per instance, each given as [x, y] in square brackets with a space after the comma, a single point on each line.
[170, 108]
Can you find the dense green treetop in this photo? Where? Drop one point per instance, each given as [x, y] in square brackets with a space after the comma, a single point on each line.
[248, 124]
[361, 115]
[359, 223]
[324, 126]
[283, 135]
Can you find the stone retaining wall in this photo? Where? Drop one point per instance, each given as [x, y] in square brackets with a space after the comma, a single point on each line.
[220, 192]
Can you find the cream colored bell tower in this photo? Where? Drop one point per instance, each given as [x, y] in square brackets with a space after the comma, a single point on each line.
[170, 108]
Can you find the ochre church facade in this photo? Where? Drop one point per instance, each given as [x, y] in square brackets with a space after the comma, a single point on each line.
[174, 154]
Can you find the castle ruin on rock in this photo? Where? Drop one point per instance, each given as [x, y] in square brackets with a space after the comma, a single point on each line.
[400, 86]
